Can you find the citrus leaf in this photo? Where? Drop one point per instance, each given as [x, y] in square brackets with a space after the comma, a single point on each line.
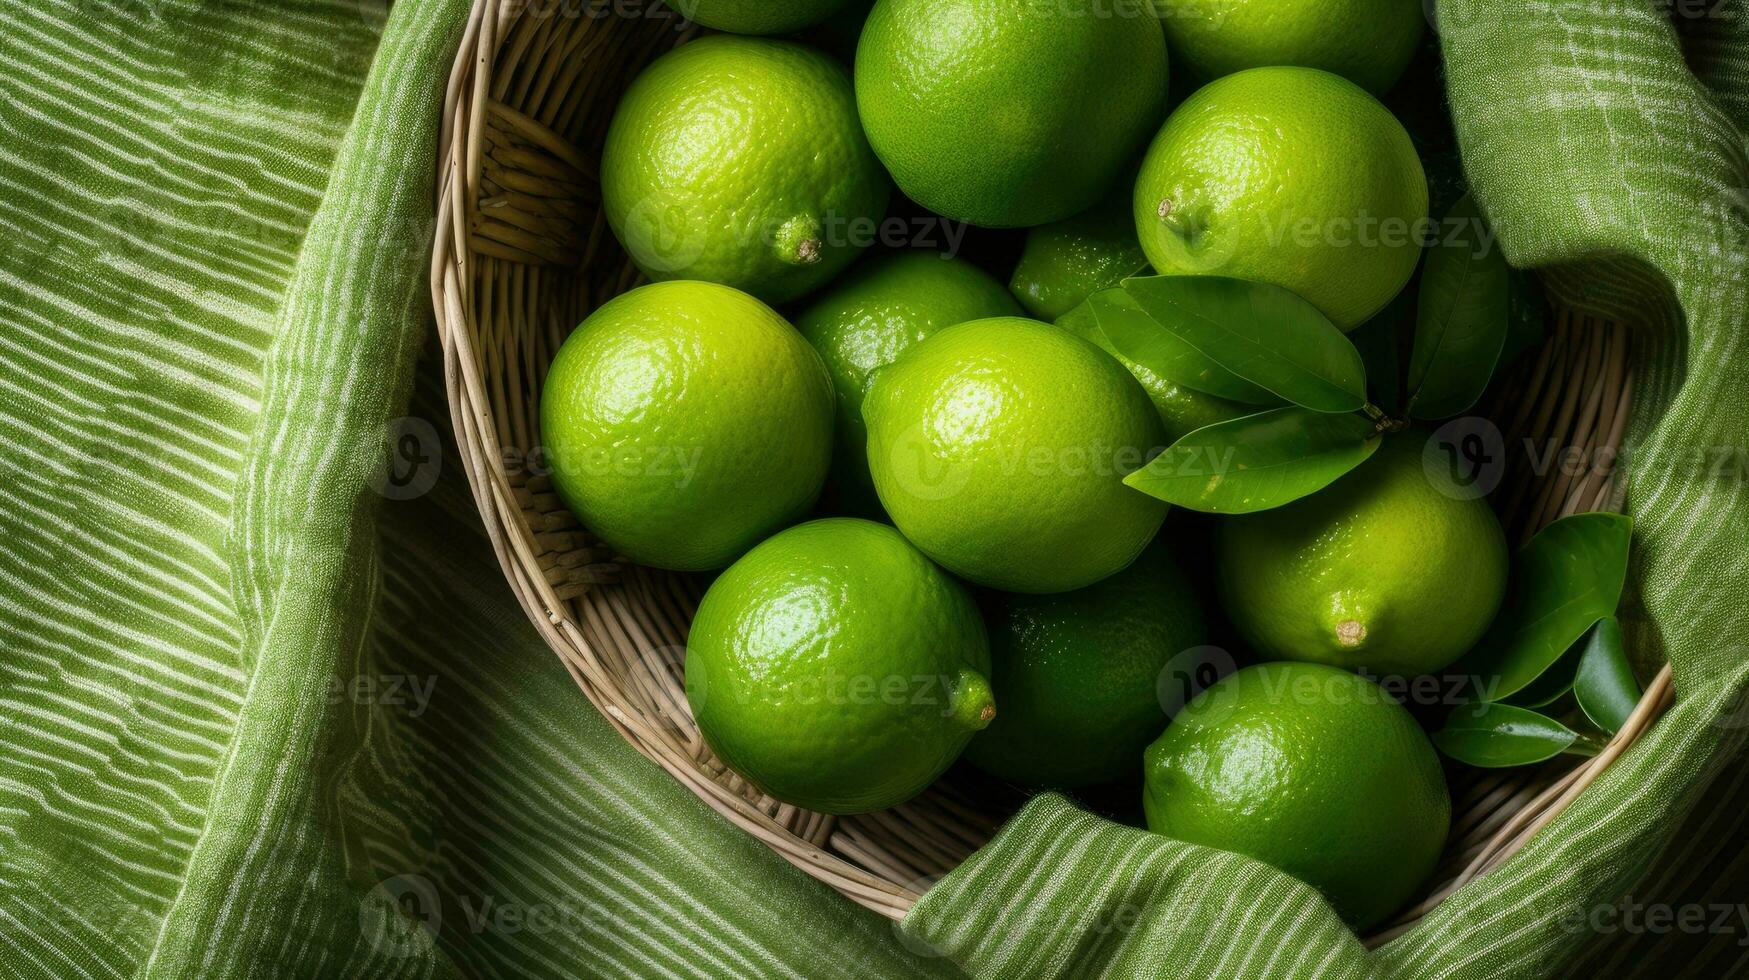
[1462, 317]
[1605, 686]
[1557, 681]
[1138, 337]
[1257, 462]
[1496, 736]
[1260, 332]
[1568, 577]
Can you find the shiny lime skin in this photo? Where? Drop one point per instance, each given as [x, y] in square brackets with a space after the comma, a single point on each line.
[870, 317]
[1380, 572]
[741, 161]
[1009, 113]
[1291, 176]
[837, 668]
[1368, 42]
[1078, 674]
[685, 421]
[1312, 770]
[1182, 410]
[1000, 446]
[757, 16]
[1069, 260]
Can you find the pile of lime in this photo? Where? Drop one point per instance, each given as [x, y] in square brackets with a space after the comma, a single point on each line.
[919, 471]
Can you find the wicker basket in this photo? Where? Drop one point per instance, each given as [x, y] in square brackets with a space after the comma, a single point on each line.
[523, 253]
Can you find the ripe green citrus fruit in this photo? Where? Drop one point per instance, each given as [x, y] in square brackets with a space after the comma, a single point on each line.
[684, 421]
[757, 16]
[1000, 446]
[1069, 260]
[838, 669]
[1368, 42]
[1182, 410]
[1291, 176]
[1382, 571]
[1311, 769]
[741, 161]
[1078, 674]
[1007, 113]
[867, 320]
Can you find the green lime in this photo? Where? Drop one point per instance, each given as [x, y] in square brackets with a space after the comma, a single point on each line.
[741, 161]
[1008, 113]
[868, 319]
[1078, 674]
[837, 669]
[684, 421]
[1292, 176]
[1000, 446]
[1382, 571]
[757, 16]
[1069, 260]
[1312, 770]
[1368, 42]
[1182, 410]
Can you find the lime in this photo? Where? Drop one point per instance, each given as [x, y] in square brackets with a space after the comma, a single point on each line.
[1312, 770]
[1292, 176]
[1009, 113]
[1182, 410]
[1368, 42]
[1382, 571]
[757, 16]
[872, 316]
[741, 161]
[1000, 446]
[1069, 260]
[684, 421]
[836, 668]
[1078, 674]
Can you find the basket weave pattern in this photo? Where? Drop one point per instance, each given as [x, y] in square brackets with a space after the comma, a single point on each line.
[523, 253]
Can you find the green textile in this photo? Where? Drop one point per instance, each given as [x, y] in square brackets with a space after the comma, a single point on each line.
[1606, 141]
[258, 720]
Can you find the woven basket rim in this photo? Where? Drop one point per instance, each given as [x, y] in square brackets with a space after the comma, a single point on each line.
[798, 837]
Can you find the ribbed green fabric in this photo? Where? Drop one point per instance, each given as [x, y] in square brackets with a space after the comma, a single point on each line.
[256, 720]
[1607, 144]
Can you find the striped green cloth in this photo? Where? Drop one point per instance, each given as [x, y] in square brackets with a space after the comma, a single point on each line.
[259, 720]
[255, 719]
[1606, 140]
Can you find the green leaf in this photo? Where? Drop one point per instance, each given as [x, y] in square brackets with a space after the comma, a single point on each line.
[1462, 317]
[1495, 736]
[1605, 686]
[1137, 336]
[1557, 681]
[1568, 577]
[1260, 332]
[1257, 462]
